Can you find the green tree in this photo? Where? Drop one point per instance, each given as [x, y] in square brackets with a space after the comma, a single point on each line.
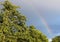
[56, 39]
[13, 26]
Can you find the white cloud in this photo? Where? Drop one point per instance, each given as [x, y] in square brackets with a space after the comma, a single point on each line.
[50, 4]
[50, 40]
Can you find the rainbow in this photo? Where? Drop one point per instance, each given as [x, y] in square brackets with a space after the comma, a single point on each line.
[31, 4]
[42, 19]
[45, 24]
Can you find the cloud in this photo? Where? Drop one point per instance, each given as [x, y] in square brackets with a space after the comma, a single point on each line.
[50, 40]
[50, 4]
[58, 34]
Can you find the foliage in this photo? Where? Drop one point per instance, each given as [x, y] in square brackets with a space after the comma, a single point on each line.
[56, 39]
[13, 26]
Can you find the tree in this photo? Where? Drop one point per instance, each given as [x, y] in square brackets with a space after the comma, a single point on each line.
[13, 26]
[56, 39]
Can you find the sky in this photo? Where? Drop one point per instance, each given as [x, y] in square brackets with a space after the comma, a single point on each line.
[43, 14]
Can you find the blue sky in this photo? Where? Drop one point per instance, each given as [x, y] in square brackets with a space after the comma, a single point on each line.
[38, 11]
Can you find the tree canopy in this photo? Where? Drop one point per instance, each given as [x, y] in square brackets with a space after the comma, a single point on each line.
[13, 26]
[56, 39]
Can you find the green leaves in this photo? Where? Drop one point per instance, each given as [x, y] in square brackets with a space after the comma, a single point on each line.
[56, 39]
[13, 26]
[8, 6]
